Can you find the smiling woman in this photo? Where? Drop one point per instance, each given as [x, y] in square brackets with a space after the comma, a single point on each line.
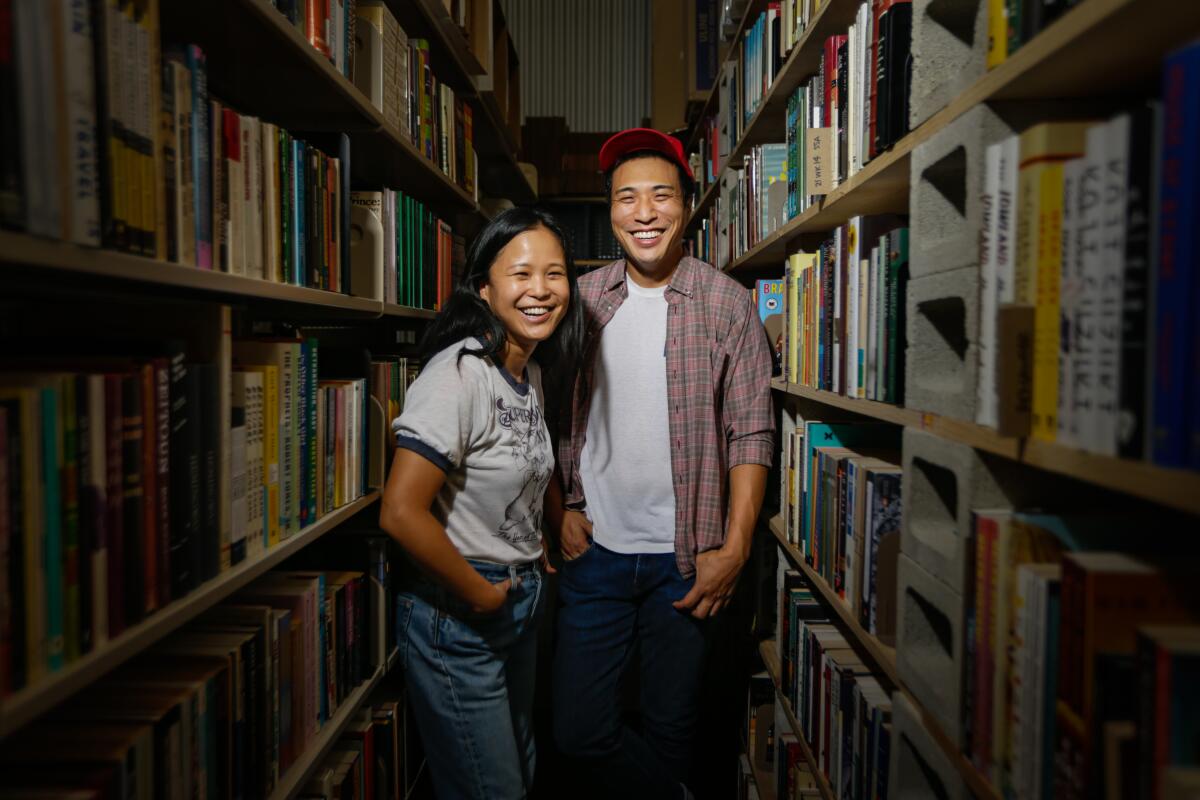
[465, 500]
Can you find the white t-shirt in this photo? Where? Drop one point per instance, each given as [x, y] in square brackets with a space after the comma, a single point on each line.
[487, 432]
[625, 465]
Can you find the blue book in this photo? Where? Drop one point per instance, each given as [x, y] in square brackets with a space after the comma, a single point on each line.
[1177, 292]
[197, 65]
[298, 210]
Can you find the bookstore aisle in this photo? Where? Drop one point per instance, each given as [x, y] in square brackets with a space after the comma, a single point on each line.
[224, 226]
[971, 227]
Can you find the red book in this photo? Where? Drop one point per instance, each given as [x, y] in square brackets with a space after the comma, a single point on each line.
[831, 88]
[147, 384]
[162, 472]
[116, 512]
[316, 20]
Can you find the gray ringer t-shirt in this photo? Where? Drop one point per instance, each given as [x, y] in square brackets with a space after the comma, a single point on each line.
[486, 431]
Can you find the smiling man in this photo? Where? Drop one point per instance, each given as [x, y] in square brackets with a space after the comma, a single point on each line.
[663, 456]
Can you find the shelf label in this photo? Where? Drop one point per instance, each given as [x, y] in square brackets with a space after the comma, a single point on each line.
[817, 152]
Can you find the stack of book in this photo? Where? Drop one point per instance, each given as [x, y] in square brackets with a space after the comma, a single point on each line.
[1058, 629]
[841, 490]
[371, 759]
[843, 711]
[222, 708]
[133, 477]
[844, 308]
[395, 73]
[409, 245]
[328, 26]
[1091, 224]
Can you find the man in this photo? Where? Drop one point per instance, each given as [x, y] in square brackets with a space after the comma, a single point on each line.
[663, 455]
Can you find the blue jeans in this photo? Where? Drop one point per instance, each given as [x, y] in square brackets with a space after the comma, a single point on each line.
[471, 679]
[610, 602]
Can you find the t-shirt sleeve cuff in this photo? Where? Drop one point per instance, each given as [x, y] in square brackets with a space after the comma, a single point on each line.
[414, 444]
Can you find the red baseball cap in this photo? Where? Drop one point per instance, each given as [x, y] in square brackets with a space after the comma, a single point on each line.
[634, 139]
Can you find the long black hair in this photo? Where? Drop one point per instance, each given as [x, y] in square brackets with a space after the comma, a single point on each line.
[466, 314]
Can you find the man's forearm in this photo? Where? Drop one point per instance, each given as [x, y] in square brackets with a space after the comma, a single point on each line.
[747, 487]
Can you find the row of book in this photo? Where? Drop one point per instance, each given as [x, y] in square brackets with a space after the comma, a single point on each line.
[223, 707]
[404, 247]
[748, 208]
[843, 312]
[772, 749]
[328, 25]
[1089, 224]
[841, 507]
[1012, 23]
[132, 478]
[395, 73]
[376, 757]
[843, 711]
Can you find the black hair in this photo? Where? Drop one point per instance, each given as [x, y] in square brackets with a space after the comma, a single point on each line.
[466, 314]
[686, 184]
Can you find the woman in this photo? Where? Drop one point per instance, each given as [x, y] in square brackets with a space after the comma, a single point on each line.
[464, 499]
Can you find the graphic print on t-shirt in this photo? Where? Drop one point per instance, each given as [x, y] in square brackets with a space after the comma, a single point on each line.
[523, 516]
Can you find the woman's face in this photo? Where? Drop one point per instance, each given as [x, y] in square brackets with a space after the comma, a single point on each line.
[527, 287]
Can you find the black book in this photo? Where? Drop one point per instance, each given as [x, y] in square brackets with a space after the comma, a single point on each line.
[882, 84]
[16, 545]
[209, 422]
[843, 110]
[114, 232]
[899, 51]
[1038, 14]
[12, 196]
[85, 521]
[343, 222]
[162, 482]
[131, 495]
[167, 138]
[1140, 212]
[185, 477]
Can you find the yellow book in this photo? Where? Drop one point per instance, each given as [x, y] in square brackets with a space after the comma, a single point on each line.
[997, 33]
[795, 268]
[1044, 148]
[271, 511]
[154, 185]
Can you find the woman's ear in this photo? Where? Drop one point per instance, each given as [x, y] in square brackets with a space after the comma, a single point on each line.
[483, 294]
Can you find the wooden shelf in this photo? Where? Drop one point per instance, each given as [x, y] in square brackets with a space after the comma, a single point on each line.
[1082, 55]
[882, 657]
[1173, 488]
[34, 700]
[53, 259]
[291, 782]
[764, 782]
[393, 310]
[770, 657]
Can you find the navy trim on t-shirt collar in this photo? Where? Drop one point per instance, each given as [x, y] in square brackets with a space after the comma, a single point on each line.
[521, 387]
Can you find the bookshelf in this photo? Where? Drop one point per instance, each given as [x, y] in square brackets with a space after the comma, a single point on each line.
[294, 779]
[1082, 54]
[27, 704]
[753, 9]
[1174, 488]
[770, 659]
[881, 657]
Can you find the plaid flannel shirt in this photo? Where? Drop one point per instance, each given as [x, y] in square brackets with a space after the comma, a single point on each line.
[718, 394]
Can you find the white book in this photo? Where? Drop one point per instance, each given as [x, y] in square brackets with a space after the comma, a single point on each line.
[255, 487]
[872, 322]
[865, 68]
[248, 196]
[237, 479]
[1085, 359]
[1006, 221]
[402, 92]
[1112, 261]
[77, 113]
[1068, 300]
[985, 401]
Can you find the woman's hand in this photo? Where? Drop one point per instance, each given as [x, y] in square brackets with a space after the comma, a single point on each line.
[575, 535]
[491, 599]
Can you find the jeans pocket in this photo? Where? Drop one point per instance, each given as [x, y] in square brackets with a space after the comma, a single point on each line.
[591, 546]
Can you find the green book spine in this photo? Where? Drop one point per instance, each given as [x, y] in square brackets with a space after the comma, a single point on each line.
[52, 510]
[69, 486]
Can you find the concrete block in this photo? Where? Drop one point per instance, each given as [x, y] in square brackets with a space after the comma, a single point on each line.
[946, 194]
[943, 481]
[942, 329]
[929, 644]
[919, 770]
[949, 53]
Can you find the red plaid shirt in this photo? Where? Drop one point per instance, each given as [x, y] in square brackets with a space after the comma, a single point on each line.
[718, 394]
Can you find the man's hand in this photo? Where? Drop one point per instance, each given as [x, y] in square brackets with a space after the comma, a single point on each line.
[575, 536]
[716, 576]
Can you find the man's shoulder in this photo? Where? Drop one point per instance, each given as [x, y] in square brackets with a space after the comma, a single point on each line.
[717, 288]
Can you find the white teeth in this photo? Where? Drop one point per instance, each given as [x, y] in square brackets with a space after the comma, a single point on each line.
[647, 234]
[535, 312]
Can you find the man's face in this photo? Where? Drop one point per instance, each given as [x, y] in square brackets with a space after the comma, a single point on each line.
[647, 211]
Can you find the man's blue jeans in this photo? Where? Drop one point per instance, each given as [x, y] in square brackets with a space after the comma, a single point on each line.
[471, 680]
[610, 603]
